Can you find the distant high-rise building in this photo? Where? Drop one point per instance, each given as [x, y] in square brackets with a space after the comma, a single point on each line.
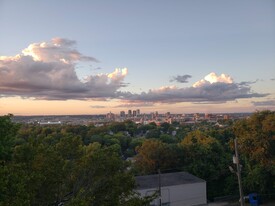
[156, 114]
[129, 113]
[110, 116]
[138, 112]
[134, 113]
[122, 114]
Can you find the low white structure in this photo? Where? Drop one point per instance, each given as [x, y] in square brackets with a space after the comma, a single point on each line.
[177, 189]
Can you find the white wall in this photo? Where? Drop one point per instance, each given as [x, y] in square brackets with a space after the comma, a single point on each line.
[179, 195]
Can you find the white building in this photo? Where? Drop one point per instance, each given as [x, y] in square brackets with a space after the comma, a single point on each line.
[177, 189]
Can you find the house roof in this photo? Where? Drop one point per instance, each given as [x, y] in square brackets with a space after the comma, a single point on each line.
[167, 179]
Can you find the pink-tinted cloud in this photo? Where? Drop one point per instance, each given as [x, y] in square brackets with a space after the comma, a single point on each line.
[56, 50]
[211, 89]
[135, 104]
[47, 71]
[213, 78]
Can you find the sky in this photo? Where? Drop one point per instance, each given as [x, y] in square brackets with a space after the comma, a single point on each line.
[94, 57]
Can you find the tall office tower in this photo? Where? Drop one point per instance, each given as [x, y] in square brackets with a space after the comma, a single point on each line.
[129, 113]
[110, 116]
[122, 114]
[134, 113]
[138, 112]
[156, 114]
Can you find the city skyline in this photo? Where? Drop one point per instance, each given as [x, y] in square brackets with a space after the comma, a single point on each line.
[96, 57]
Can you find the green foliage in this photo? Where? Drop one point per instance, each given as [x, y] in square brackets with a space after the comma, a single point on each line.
[117, 127]
[206, 158]
[53, 166]
[83, 165]
[154, 133]
[168, 139]
[256, 138]
[165, 127]
[7, 137]
[154, 154]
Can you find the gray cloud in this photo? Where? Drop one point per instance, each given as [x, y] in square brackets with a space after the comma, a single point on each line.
[181, 79]
[215, 93]
[273, 79]
[209, 102]
[47, 71]
[248, 83]
[264, 103]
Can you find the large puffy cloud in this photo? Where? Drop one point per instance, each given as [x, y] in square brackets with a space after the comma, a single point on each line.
[213, 78]
[56, 50]
[47, 71]
[211, 89]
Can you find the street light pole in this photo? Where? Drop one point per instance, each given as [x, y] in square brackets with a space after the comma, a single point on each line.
[238, 172]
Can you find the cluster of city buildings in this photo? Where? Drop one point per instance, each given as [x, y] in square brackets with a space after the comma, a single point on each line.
[191, 118]
[133, 115]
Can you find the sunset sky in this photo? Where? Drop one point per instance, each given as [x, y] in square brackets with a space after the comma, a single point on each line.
[93, 57]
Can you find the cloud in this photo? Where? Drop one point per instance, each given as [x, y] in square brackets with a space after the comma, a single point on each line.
[56, 50]
[248, 82]
[264, 103]
[136, 104]
[47, 71]
[97, 106]
[181, 79]
[213, 78]
[211, 89]
[272, 79]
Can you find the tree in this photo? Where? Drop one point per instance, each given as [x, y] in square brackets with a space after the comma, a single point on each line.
[104, 180]
[117, 127]
[154, 154]
[7, 136]
[166, 138]
[165, 127]
[153, 133]
[256, 139]
[205, 157]
[55, 167]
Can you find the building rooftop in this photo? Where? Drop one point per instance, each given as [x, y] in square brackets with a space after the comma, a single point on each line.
[167, 179]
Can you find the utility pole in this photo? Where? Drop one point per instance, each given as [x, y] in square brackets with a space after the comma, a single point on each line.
[159, 187]
[238, 173]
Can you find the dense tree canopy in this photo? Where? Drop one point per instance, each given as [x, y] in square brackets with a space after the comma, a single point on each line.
[256, 137]
[153, 155]
[54, 167]
[8, 131]
[85, 165]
